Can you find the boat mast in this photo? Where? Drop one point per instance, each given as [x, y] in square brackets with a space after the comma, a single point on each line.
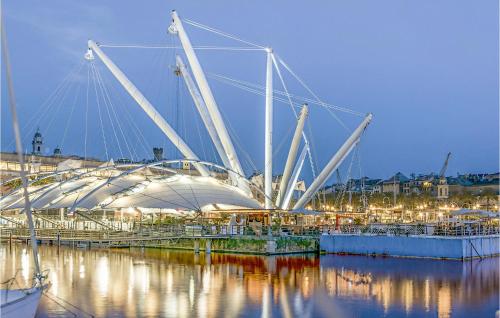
[146, 106]
[207, 95]
[292, 155]
[336, 160]
[19, 150]
[268, 148]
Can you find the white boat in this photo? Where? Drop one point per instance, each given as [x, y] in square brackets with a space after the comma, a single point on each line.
[21, 302]
[18, 303]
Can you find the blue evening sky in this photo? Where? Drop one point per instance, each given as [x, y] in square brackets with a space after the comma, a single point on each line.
[427, 70]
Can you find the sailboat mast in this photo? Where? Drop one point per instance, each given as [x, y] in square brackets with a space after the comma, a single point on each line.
[19, 150]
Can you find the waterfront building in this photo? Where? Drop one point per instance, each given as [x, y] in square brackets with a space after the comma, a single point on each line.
[57, 152]
[442, 189]
[394, 184]
[475, 184]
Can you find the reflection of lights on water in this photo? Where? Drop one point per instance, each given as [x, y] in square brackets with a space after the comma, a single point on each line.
[82, 271]
[131, 279]
[81, 268]
[103, 274]
[141, 277]
[183, 306]
[206, 281]
[54, 281]
[427, 295]
[171, 305]
[174, 288]
[444, 301]
[298, 305]
[265, 303]
[386, 294]
[170, 280]
[202, 305]
[25, 265]
[408, 295]
[191, 291]
[235, 299]
[285, 305]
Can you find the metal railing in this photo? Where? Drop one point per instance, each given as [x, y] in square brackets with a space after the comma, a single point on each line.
[198, 230]
[476, 229]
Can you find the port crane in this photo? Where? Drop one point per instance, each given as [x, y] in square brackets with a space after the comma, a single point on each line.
[445, 166]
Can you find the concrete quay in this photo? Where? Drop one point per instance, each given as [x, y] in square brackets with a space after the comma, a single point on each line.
[416, 246]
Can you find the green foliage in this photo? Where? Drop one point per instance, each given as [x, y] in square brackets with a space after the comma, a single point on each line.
[44, 181]
[358, 221]
[294, 243]
[13, 184]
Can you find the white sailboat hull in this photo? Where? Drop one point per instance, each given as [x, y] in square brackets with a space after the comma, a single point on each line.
[19, 303]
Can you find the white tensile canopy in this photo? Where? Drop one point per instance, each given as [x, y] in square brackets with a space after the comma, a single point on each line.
[166, 192]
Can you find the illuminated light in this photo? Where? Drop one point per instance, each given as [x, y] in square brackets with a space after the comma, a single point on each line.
[440, 214]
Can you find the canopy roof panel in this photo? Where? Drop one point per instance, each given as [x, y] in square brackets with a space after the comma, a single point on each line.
[134, 189]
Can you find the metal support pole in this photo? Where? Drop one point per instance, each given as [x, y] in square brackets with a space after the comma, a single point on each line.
[295, 175]
[212, 107]
[292, 154]
[202, 110]
[268, 151]
[333, 164]
[20, 154]
[147, 107]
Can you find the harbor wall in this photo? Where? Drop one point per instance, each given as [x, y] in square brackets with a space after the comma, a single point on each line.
[412, 246]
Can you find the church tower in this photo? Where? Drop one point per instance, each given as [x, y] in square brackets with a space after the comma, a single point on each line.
[37, 143]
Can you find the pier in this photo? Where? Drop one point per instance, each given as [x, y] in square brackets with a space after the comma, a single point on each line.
[415, 241]
[237, 239]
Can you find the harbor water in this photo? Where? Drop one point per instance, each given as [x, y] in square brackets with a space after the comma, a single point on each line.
[164, 283]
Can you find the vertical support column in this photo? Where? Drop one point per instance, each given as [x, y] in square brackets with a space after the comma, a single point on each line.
[268, 152]
[61, 214]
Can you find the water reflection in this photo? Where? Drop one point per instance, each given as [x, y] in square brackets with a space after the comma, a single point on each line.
[153, 282]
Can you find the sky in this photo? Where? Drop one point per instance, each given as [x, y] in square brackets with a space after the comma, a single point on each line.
[427, 70]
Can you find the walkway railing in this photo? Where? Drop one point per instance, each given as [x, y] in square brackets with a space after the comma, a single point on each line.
[196, 230]
[159, 232]
[414, 229]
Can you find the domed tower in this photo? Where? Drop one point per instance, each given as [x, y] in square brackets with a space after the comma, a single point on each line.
[37, 143]
[57, 152]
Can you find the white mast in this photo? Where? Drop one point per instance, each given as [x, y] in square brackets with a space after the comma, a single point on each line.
[212, 107]
[268, 150]
[333, 164]
[146, 106]
[202, 109]
[20, 155]
[292, 155]
[295, 175]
